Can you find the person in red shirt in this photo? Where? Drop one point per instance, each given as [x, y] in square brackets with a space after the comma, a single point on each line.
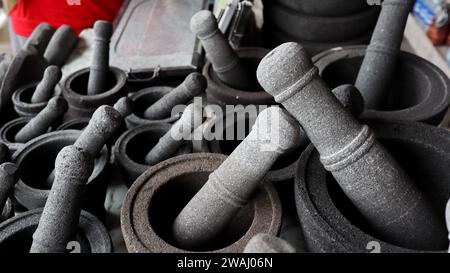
[25, 15]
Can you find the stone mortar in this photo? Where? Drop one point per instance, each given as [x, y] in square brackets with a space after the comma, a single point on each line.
[61, 214]
[132, 146]
[329, 220]
[36, 161]
[142, 100]
[16, 233]
[83, 105]
[419, 90]
[9, 131]
[230, 186]
[158, 195]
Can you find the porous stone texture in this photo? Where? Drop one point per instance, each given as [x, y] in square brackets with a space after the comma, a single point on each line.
[103, 124]
[61, 213]
[38, 125]
[193, 85]
[380, 60]
[230, 186]
[158, 195]
[174, 138]
[332, 224]
[371, 178]
[100, 58]
[124, 106]
[223, 58]
[268, 243]
[8, 178]
[63, 41]
[46, 87]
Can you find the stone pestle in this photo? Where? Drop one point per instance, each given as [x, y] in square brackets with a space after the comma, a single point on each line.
[61, 213]
[372, 179]
[46, 87]
[39, 39]
[231, 185]
[222, 56]
[61, 45]
[380, 61]
[192, 86]
[38, 125]
[98, 74]
[174, 138]
[104, 123]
